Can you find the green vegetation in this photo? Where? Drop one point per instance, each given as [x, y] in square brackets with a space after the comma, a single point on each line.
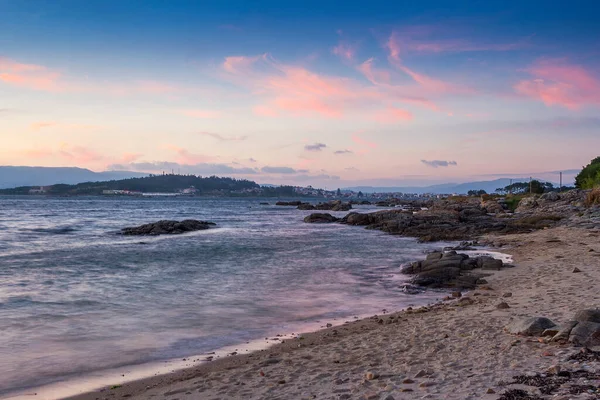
[535, 187]
[476, 192]
[593, 197]
[589, 177]
[209, 186]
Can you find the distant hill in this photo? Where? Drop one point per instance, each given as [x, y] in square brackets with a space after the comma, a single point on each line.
[176, 184]
[459, 188]
[11, 177]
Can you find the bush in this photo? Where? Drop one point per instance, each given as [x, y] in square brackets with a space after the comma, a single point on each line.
[593, 197]
[589, 177]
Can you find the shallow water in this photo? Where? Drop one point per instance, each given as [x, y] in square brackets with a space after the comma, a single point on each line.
[76, 297]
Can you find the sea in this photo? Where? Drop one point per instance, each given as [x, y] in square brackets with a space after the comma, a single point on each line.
[77, 298]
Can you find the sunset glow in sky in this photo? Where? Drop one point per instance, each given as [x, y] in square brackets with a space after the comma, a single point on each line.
[325, 93]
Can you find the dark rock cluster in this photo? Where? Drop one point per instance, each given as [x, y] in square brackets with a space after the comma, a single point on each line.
[167, 228]
[451, 269]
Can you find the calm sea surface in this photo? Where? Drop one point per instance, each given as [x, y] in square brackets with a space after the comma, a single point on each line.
[75, 297]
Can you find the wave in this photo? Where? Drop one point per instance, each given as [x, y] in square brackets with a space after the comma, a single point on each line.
[59, 230]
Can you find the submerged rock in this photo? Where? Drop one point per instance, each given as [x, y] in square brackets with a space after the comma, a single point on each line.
[320, 218]
[166, 227]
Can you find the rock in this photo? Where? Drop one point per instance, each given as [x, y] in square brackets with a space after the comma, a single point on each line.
[371, 375]
[426, 384]
[550, 332]
[576, 270]
[263, 203]
[489, 263]
[288, 203]
[589, 315]
[507, 294]
[502, 306]
[554, 369]
[167, 228]
[564, 332]
[421, 374]
[320, 218]
[456, 294]
[527, 203]
[306, 206]
[408, 381]
[550, 196]
[490, 391]
[586, 334]
[533, 326]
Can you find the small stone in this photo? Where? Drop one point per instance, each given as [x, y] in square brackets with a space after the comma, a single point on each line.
[389, 397]
[261, 373]
[555, 370]
[281, 381]
[371, 375]
[408, 381]
[456, 294]
[406, 390]
[502, 306]
[507, 294]
[328, 325]
[490, 391]
[576, 270]
[421, 374]
[426, 384]
[547, 353]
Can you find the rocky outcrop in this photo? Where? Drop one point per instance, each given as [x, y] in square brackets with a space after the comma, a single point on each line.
[449, 269]
[320, 218]
[167, 228]
[582, 330]
[335, 205]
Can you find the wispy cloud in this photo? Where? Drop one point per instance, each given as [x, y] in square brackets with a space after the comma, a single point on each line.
[222, 138]
[439, 163]
[392, 115]
[282, 170]
[196, 169]
[345, 151]
[556, 82]
[345, 51]
[315, 147]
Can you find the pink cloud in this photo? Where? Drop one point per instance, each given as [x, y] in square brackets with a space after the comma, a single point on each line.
[127, 158]
[375, 76]
[154, 87]
[29, 76]
[434, 85]
[392, 115]
[239, 64]
[345, 51]
[186, 157]
[558, 83]
[362, 142]
[393, 45]
[79, 154]
[201, 113]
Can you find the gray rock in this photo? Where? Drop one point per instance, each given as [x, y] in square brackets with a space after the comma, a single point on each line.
[550, 196]
[586, 334]
[589, 315]
[489, 263]
[533, 326]
[564, 331]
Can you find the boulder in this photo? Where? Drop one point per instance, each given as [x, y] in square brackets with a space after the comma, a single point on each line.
[527, 203]
[320, 218]
[550, 196]
[167, 228]
[534, 326]
[489, 263]
[589, 315]
[306, 206]
[586, 334]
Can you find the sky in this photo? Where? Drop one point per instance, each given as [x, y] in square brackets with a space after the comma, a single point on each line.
[322, 93]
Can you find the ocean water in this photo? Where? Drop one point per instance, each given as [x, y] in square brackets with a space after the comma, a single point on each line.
[75, 297]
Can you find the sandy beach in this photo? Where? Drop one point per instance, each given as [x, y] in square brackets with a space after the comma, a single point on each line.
[454, 350]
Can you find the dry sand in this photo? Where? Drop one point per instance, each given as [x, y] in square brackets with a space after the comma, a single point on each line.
[454, 350]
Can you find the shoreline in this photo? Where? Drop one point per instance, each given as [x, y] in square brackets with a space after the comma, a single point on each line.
[96, 381]
[456, 349]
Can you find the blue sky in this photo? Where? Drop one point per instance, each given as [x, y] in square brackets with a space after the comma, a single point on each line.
[331, 93]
